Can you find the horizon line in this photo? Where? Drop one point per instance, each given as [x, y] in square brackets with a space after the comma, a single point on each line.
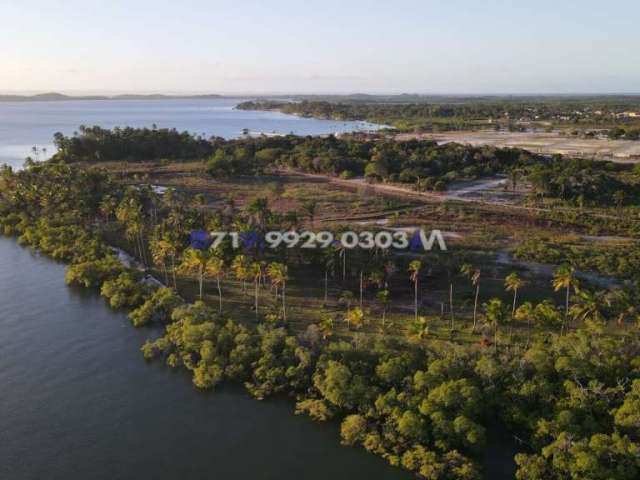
[112, 93]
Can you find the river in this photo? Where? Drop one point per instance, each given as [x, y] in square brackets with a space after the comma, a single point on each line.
[79, 402]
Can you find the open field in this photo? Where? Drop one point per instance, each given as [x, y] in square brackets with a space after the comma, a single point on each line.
[542, 143]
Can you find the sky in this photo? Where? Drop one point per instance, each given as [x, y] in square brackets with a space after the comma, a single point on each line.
[330, 46]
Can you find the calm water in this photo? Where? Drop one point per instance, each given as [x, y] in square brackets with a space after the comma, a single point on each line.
[24, 125]
[78, 401]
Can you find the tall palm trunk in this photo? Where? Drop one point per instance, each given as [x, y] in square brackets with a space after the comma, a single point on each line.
[284, 304]
[219, 294]
[344, 265]
[173, 272]
[257, 282]
[415, 299]
[143, 257]
[326, 285]
[201, 280]
[451, 305]
[566, 312]
[513, 314]
[475, 307]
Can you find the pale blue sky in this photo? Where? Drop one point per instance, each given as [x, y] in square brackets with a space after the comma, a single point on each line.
[308, 46]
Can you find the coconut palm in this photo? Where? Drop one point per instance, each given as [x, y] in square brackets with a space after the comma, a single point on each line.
[589, 306]
[129, 213]
[241, 267]
[277, 272]
[474, 275]
[256, 271]
[195, 260]
[414, 270]
[564, 277]
[451, 266]
[329, 265]
[495, 314]
[525, 313]
[160, 250]
[383, 298]
[258, 208]
[513, 283]
[173, 247]
[215, 268]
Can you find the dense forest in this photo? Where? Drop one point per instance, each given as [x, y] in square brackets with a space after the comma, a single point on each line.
[424, 165]
[568, 390]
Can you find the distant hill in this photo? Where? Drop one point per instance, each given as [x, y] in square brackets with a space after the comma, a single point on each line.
[56, 97]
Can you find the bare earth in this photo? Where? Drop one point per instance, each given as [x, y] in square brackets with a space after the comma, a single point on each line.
[625, 151]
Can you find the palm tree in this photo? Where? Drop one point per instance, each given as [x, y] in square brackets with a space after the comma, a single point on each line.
[277, 272]
[383, 298]
[414, 269]
[195, 260]
[513, 283]
[241, 266]
[526, 312]
[496, 315]
[129, 213]
[589, 306]
[343, 254]
[329, 264]
[474, 275]
[256, 271]
[160, 255]
[215, 268]
[451, 266]
[564, 277]
[173, 246]
[258, 208]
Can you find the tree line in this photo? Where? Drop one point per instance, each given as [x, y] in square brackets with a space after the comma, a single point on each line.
[422, 165]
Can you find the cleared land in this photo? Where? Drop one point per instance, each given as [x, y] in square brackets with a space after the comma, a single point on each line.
[625, 151]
